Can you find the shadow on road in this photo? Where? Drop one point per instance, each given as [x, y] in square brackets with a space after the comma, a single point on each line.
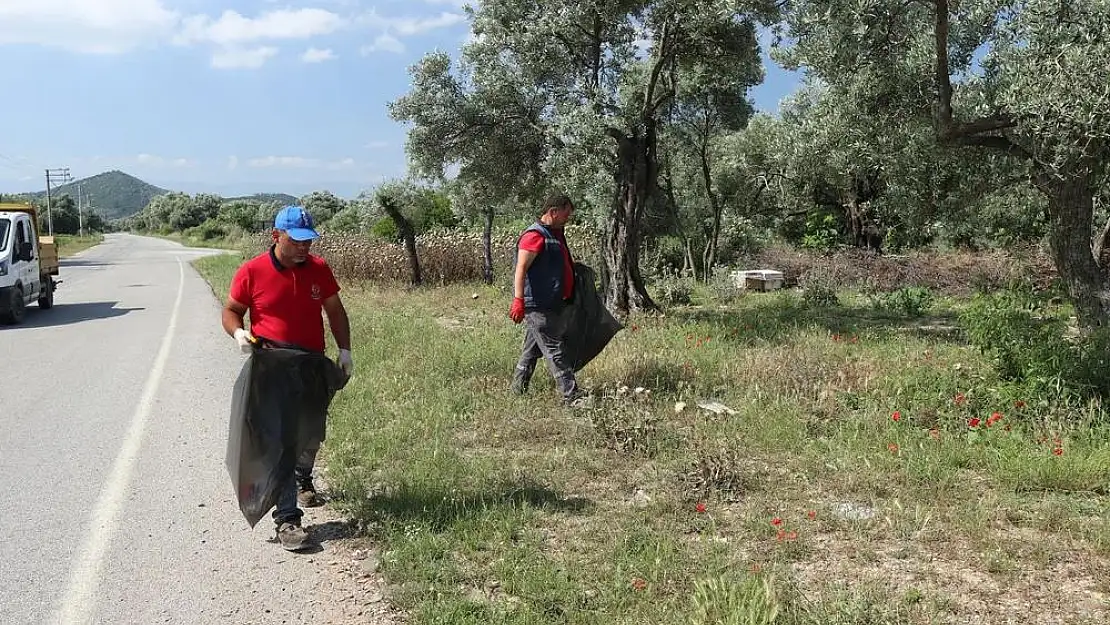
[65, 314]
[80, 262]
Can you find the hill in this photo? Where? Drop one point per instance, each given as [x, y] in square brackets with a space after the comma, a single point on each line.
[112, 194]
[266, 198]
[115, 194]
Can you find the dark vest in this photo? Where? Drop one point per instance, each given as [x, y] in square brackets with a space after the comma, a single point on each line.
[543, 283]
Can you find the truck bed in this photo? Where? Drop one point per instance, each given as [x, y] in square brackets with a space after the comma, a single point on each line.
[48, 256]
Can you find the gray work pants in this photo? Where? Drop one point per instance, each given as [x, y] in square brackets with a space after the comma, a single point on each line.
[286, 508]
[543, 337]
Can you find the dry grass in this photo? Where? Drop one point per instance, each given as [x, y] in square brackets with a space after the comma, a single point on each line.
[491, 508]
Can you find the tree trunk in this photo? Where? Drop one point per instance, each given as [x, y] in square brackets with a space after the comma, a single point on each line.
[710, 256]
[1071, 223]
[636, 180]
[404, 227]
[487, 246]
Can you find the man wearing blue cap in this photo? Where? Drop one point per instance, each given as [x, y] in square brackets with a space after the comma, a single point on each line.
[284, 290]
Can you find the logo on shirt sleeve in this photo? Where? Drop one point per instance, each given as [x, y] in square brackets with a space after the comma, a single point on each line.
[315, 291]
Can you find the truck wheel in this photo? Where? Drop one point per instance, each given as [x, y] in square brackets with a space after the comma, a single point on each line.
[16, 306]
[46, 298]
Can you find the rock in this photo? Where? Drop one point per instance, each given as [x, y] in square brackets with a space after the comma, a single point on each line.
[640, 498]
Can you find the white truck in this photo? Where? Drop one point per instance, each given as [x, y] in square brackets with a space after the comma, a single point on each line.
[28, 263]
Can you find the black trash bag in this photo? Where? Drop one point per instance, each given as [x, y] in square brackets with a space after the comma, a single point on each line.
[590, 326]
[279, 406]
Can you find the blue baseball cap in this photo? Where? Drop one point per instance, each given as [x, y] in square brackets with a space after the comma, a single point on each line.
[297, 222]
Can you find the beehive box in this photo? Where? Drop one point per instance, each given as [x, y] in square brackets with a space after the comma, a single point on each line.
[759, 279]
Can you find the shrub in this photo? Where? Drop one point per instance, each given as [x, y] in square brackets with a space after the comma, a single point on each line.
[1029, 344]
[912, 301]
[673, 289]
[819, 287]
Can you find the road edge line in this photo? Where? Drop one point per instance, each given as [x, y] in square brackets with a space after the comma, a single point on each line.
[79, 600]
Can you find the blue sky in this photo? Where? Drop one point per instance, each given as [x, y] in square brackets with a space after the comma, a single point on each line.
[224, 96]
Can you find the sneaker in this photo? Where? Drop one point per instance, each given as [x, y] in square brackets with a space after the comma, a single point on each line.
[519, 387]
[580, 399]
[306, 493]
[292, 536]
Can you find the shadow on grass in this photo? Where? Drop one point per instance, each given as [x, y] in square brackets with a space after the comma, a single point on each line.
[441, 508]
[778, 318]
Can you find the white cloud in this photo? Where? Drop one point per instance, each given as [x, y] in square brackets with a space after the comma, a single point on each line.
[315, 55]
[408, 26]
[87, 26]
[243, 58]
[232, 162]
[384, 43]
[232, 28]
[153, 160]
[455, 3]
[299, 162]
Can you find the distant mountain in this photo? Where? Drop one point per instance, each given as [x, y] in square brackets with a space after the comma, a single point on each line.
[112, 194]
[265, 198]
[115, 194]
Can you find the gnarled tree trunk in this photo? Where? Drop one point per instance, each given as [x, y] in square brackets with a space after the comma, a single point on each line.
[636, 179]
[404, 227]
[1077, 258]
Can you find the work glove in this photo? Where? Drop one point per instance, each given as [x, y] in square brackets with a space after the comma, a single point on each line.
[516, 312]
[245, 340]
[345, 362]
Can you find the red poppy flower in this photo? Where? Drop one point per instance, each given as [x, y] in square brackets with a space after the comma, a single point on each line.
[974, 422]
[776, 521]
[1058, 451]
[812, 514]
[893, 447]
[935, 433]
[897, 416]
[960, 399]
[638, 583]
[700, 507]
[1019, 404]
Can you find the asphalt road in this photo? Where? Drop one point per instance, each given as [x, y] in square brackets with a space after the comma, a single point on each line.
[116, 505]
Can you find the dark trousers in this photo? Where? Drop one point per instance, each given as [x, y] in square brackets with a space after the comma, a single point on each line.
[544, 337]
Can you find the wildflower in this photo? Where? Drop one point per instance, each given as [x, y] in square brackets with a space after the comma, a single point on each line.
[897, 416]
[700, 507]
[961, 399]
[781, 535]
[1057, 451]
[776, 521]
[994, 418]
[1019, 404]
[812, 514]
[973, 422]
[935, 433]
[638, 583]
[893, 447]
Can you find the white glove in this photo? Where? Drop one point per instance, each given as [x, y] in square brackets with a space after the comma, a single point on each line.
[345, 362]
[244, 339]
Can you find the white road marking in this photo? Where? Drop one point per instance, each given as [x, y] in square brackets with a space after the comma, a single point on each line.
[79, 601]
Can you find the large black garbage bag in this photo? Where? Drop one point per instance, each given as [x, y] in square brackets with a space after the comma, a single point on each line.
[590, 325]
[279, 405]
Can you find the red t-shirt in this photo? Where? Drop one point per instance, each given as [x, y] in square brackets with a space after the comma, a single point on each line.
[533, 241]
[285, 304]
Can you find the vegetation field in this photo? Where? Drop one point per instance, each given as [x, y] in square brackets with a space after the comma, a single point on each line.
[813, 455]
[70, 244]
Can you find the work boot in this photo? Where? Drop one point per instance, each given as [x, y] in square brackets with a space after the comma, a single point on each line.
[306, 493]
[292, 536]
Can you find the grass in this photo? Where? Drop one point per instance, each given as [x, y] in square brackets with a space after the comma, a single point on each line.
[805, 501]
[70, 244]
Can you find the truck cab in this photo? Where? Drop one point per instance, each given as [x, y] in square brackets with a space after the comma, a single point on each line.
[28, 263]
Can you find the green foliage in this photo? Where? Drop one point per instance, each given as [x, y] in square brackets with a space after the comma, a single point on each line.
[1030, 343]
[386, 230]
[822, 232]
[819, 288]
[911, 301]
[671, 289]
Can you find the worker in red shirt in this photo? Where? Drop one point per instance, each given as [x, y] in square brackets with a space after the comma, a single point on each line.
[543, 284]
[284, 289]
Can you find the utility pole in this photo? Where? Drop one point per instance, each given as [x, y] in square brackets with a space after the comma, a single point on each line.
[54, 175]
[80, 213]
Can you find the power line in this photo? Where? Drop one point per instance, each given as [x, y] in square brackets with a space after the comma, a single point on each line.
[61, 175]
